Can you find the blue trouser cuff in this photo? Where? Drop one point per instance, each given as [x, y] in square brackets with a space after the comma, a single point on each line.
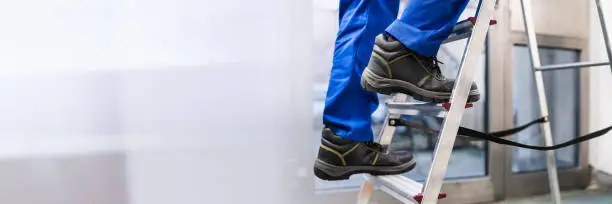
[415, 39]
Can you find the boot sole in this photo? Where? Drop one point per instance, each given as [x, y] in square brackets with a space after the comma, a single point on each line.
[330, 172]
[375, 83]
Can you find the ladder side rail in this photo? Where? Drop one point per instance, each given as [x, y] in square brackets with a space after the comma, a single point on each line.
[387, 131]
[397, 196]
[604, 30]
[471, 56]
[545, 127]
[571, 66]
[367, 189]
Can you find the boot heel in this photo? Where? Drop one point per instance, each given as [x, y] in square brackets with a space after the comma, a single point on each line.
[322, 175]
[366, 86]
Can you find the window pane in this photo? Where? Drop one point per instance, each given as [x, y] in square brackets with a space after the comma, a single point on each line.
[563, 105]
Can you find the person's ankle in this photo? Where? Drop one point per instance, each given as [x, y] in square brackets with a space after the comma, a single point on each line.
[341, 139]
[389, 37]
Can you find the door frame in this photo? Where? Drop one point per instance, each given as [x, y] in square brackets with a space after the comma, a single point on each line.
[535, 183]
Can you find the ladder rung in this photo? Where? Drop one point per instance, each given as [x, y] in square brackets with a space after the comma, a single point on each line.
[415, 108]
[402, 187]
[396, 195]
[463, 25]
[447, 105]
[571, 66]
[463, 29]
[454, 37]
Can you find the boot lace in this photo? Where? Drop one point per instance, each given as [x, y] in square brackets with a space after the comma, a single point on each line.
[433, 67]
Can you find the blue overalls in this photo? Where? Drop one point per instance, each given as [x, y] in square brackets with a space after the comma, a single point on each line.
[422, 27]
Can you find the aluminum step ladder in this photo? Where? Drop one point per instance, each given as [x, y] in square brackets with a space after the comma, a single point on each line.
[538, 69]
[401, 187]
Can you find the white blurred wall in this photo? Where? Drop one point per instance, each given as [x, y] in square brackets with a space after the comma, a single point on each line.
[185, 101]
[601, 96]
[153, 102]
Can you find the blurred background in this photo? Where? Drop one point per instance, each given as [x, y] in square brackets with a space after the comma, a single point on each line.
[190, 102]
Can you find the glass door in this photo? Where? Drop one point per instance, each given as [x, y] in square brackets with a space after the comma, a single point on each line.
[524, 170]
[527, 173]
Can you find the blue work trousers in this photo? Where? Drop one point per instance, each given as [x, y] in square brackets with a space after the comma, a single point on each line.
[422, 27]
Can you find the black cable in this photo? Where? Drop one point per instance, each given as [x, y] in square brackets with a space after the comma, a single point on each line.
[495, 136]
[480, 135]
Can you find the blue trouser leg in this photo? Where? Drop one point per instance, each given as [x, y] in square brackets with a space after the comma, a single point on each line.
[422, 28]
[426, 23]
[348, 107]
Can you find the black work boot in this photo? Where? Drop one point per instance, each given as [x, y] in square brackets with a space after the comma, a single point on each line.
[340, 158]
[394, 68]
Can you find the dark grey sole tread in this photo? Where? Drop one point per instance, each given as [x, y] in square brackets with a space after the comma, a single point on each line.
[391, 90]
[324, 176]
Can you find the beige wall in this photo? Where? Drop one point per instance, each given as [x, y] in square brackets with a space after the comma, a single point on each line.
[554, 17]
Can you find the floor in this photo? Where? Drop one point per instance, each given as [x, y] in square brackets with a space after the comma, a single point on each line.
[571, 197]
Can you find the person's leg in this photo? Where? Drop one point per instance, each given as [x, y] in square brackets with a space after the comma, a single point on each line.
[405, 62]
[348, 107]
[424, 24]
[346, 142]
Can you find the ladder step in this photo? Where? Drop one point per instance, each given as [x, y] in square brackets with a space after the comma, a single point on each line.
[448, 105]
[571, 66]
[400, 187]
[419, 197]
[463, 29]
[416, 108]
